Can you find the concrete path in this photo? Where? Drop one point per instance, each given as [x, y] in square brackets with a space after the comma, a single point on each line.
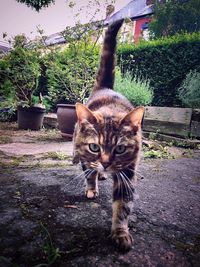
[45, 219]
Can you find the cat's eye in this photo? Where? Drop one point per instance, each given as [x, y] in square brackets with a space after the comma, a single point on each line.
[94, 147]
[120, 149]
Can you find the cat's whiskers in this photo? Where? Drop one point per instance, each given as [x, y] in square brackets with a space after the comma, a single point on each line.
[128, 182]
[80, 176]
[125, 184]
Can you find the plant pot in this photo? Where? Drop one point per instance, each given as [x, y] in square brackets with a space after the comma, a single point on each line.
[30, 118]
[66, 115]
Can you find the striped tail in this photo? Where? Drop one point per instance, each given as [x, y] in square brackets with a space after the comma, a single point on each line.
[106, 73]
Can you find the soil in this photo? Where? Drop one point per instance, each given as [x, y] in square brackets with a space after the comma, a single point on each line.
[46, 220]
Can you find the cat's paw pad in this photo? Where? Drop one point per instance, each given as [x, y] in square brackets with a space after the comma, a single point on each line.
[122, 239]
[91, 194]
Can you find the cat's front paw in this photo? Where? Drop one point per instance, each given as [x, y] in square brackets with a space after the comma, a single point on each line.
[91, 194]
[122, 239]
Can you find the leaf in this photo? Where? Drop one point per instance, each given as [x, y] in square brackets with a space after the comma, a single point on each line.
[70, 206]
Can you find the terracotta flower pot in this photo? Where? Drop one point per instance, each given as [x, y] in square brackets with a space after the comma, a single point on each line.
[30, 118]
[66, 115]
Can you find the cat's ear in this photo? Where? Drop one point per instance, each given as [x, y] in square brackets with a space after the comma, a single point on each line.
[134, 118]
[84, 114]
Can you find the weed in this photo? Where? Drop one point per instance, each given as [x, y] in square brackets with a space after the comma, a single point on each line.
[51, 252]
[5, 140]
[57, 155]
[157, 151]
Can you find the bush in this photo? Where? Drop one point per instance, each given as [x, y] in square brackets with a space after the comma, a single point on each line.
[71, 74]
[20, 71]
[189, 92]
[165, 62]
[135, 89]
[7, 91]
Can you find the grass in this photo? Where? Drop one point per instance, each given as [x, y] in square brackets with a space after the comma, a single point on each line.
[51, 252]
[5, 140]
[57, 155]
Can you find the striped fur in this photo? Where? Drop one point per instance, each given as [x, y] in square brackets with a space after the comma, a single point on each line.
[107, 125]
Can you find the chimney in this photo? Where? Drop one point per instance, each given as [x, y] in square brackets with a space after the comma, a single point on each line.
[109, 10]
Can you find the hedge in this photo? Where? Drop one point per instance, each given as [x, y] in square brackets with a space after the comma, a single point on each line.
[165, 62]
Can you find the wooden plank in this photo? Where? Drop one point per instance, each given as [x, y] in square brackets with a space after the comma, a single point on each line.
[165, 127]
[172, 121]
[179, 115]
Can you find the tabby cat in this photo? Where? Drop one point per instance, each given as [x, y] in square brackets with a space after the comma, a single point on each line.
[107, 140]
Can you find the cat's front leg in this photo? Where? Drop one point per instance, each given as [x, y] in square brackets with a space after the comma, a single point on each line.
[121, 208]
[92, 189]
[120, 231]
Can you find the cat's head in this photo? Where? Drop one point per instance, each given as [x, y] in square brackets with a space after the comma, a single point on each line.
[107, 143]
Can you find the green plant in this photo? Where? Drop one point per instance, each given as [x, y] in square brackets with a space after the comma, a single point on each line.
[71, 73]
[136, 89]
[189, 91]
[164, 62]
[51, 252]
[58, 155]
[21, 71]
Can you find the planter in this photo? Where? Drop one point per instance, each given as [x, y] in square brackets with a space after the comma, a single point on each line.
[66, 115]
[30, 118]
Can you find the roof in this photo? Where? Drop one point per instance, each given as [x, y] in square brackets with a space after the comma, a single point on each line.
[135, 9]
[4, 48]
[56, 38]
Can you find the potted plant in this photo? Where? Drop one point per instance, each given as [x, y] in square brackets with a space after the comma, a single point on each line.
[24, 72]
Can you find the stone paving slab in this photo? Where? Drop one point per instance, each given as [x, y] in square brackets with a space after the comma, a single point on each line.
[21, 149]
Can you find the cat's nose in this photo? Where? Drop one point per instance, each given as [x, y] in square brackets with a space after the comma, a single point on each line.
[105, 164]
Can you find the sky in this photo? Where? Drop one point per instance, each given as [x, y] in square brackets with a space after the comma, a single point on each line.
[17, 18]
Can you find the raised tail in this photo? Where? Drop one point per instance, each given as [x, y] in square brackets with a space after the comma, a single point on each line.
[106, 73]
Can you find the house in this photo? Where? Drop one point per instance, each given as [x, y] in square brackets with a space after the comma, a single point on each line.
[140, 14]
[138, 11]
[3, 48]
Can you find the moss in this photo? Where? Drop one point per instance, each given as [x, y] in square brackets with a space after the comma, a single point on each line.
[5, 140]
[57, 156]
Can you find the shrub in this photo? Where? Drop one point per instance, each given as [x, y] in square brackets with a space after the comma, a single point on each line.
[189, 91]
[165, 62]
[20, 71]
[135, 89]
[71, 74]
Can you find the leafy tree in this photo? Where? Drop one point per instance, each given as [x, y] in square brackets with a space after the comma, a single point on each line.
[175, 16]
[37, 4]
